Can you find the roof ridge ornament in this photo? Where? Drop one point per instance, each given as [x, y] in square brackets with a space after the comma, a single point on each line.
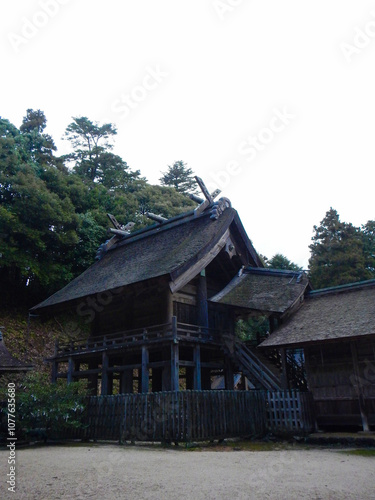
[119, 232]
[209, 197]
[219, 206]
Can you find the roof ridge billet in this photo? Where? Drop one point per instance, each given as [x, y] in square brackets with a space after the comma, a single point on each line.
[158, 228]
[272, 272]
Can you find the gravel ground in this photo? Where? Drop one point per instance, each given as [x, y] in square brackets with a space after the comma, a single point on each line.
[102, 471]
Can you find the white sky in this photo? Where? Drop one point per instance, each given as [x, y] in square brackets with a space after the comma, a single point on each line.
[225, 69]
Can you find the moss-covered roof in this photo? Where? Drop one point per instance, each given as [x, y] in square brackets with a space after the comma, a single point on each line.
[264, 290]
[334, 314]
[159, 250]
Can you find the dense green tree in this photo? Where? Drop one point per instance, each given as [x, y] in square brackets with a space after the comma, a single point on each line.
[52, 219]
[92, 157]
[162, 201]
[179, 176]
[37, 225]
[279, 261]
[368, 232]
[39, 145]
[337, 253]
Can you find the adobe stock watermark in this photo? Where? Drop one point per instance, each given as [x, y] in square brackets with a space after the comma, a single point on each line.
[224, 7]
[361, 39]
[31, 26]
[250, 148]
[130, 100]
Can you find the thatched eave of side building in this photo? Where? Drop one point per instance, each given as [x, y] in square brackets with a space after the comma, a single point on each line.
[166, 249]
[264, 290]
[334, 314]
[9, 363]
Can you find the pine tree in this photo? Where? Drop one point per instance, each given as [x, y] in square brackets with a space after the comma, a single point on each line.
[337, 253]
[180, 177]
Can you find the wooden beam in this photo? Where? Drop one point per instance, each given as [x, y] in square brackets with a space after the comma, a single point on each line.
[156, 218]
[121, 368]
[116, 224]
[204, 190]
[196, 198]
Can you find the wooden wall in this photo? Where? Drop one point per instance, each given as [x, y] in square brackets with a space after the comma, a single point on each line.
[338, 386]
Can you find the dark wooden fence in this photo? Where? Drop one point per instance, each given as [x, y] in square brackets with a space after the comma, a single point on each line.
[187, 416]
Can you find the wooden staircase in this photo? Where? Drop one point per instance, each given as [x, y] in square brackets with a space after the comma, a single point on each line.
[256, 371]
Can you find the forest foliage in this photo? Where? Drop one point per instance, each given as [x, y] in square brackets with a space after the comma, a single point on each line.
[53, 210]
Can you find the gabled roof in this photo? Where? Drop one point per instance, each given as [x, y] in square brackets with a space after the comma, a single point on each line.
[339, 313]
[169, 248]
[9, 363]
[264, 290]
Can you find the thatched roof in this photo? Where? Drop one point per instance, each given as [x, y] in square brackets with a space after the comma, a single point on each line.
[338, 313]
[8, 363]
[168, 249]
[264, 290]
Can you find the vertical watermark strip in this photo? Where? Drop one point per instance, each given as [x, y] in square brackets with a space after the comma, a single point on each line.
[11, 475]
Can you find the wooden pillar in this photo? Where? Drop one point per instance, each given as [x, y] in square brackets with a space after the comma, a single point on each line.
[54, 371]
[70, 370]
[105, 363]
[175, 368]
[175, 358]
[145, 373]
[284, 374]
[358, 387]
[93, 379]
[228, 375]
[126, 382]
[202, 300]
[168, 306]
[197, 368]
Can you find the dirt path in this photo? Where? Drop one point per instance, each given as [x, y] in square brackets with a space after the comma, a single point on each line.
[123, 472]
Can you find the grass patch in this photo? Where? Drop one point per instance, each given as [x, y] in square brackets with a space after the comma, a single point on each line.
[361, 452]
[243, 445]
